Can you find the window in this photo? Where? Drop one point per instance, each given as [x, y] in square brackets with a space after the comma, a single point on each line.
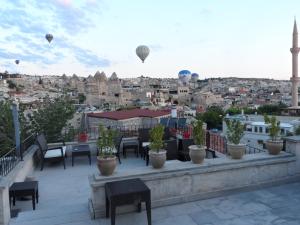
[282, 131]
[260, 130]
[267, 130]
[255, 129]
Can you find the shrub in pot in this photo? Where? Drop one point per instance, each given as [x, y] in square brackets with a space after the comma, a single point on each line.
[106, 160]
[235, 132]
[274, 144]
[197, 152]
[157, 155]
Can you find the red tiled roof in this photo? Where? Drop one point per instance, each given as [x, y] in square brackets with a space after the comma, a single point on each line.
[128, 114]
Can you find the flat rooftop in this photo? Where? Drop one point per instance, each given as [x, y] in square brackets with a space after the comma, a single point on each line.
[129, 114]
[64, 201]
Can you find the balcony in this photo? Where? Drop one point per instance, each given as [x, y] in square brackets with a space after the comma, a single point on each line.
[64, 194]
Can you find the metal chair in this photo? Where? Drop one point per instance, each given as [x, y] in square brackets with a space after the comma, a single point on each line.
[184, 152]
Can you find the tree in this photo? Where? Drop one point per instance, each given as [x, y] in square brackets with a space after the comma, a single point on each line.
[213, 117]
[233, 111]
[11, 84]
[40, 81]
[6, 127]
[7, 130]
[271, 109]
[52, 117]
[81, 98]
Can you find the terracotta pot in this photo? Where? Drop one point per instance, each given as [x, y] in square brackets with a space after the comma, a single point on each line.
[236, 151]
[197, 153]
[158, 159]
[106, 166]
[83, 137]
[274, 147]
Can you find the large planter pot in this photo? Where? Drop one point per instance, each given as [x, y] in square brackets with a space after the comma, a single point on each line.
[82, 137]
[197, 153]
[236, 151]
[158, 159]
[274, 147]
[106, 166]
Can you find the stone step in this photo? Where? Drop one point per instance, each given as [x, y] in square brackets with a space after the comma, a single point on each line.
[68, 213]
[68, 218]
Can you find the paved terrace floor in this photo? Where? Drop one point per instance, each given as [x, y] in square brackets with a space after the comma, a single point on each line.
[64, 195]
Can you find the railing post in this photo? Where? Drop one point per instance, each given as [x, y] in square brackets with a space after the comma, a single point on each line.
[15, 114]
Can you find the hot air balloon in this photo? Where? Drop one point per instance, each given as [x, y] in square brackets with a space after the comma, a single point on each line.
[49, 37]
[142, 52]
[195, 77]
[17, 61]
[184, 76]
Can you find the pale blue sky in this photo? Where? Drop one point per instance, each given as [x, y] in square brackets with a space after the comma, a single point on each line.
[247, 38]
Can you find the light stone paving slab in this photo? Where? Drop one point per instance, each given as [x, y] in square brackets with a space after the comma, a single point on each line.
[64, 194]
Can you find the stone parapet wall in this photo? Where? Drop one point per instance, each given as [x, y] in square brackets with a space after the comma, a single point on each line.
[22, 170]
[180, 182]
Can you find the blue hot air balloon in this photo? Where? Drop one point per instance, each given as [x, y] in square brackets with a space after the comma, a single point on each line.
[195, 77]
[184, 76]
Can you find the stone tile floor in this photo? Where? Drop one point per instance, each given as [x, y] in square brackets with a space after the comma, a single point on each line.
[64, 195]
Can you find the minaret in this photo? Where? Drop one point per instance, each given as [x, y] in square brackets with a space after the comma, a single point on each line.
[295, 79]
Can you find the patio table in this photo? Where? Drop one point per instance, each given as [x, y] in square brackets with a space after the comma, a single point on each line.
[81, 150]
[126, 192]
[23, 189]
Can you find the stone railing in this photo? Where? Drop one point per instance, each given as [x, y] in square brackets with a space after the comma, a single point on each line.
[180, 182]
[20, 172]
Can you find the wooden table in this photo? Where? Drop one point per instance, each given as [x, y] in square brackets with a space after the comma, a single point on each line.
[126, 192]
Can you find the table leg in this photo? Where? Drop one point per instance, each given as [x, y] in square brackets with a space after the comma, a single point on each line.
[33, 201]
[107, 207]
[112, 213]
[14, 200]
[148, 208]
[37, 195]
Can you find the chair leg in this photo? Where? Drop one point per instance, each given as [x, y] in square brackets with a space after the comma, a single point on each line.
[64, 161]
[118, 155]
[42, 165]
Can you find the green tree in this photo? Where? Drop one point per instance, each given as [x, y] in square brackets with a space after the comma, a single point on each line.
[233, 111]
[7, 130]
[297, 131]
[271, 109]
[81, 98]
[52, 117]
[6, 127]
[248, 110]
[11, 84]
[213, 117]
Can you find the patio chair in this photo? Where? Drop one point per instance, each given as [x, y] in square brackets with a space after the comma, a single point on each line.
[184, 152]
[118, 140]
[172, 151]
[51, 154]
[144, 136]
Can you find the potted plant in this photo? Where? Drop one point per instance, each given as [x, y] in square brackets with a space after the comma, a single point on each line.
[157, 155]
[106, 160]
[275, 144]
[235, 132]
[197, 152]
[82, 136]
